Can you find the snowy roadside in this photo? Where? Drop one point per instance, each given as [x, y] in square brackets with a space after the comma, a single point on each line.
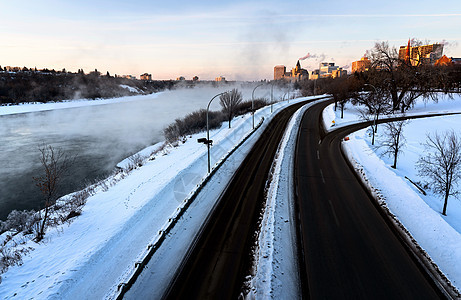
[276, 273]
[86, 258]
[439, 236]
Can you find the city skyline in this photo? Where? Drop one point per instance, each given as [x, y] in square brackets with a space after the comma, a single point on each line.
[243, 40]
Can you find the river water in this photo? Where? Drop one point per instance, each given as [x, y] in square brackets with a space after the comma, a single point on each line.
[100, 136]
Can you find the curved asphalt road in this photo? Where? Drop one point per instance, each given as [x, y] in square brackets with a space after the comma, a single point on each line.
[218, 262]
[349, 250]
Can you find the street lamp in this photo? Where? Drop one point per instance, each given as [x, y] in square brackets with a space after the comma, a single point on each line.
[375, 128]
[207, 141]
[253, 104]
[283, 99]
[272, 93]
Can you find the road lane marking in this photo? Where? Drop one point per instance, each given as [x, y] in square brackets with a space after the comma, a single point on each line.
[321, 173]
[318, 155]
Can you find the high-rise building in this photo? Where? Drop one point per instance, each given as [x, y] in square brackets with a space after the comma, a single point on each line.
[296, 73]
[326, 69]
[361, 65]
[426, 54]
[338, 73]
[279, 72]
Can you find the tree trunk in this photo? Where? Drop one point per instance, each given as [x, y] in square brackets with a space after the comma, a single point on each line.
[373, 136]
[42, 228]
[395, 160]
[395, 100]
[396, 151]
[444, 212]
[229, 123]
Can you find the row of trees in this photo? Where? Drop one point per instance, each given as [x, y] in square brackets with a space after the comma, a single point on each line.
[47, 86]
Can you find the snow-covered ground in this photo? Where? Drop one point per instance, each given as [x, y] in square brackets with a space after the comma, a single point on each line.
[120, 221]
[438, 235]
[36, 107]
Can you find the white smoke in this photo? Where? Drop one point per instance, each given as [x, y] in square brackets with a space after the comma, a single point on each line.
[319, 57]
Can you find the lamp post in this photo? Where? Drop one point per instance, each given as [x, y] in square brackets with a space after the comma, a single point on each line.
[253, 104]
[375, 129]
[272, 93]
[283, 99]
[288, 96]
[208, 142]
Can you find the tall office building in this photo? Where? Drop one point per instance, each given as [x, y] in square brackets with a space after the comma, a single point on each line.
[361, 65]
[426, 54]
[279, 72]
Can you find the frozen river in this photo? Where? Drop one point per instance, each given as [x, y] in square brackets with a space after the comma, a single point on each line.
[100, 135]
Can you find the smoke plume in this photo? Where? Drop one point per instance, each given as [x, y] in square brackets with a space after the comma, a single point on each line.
[308, 55]
[319, 57]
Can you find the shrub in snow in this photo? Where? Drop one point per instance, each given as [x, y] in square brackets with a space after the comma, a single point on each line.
[137, 160]
[192, 123]
[2, 227]
[8, 257]
[74, 204]
[245, 107]
[20, 221]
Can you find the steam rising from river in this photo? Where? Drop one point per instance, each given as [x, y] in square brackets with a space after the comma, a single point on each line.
[101, 135]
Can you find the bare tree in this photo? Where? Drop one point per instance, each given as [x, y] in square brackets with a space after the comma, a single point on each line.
[375, 105]
[394, 140]
[55, 165]
[230, 102]
[442, 164]
[404, 81]
[342, 89]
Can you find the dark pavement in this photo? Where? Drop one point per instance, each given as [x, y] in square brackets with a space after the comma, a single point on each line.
[349, 250]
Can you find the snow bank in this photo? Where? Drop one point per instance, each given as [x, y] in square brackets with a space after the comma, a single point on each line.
[131, 89]
[276, 272]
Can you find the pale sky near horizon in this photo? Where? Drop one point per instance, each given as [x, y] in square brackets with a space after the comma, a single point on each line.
[241, 40]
